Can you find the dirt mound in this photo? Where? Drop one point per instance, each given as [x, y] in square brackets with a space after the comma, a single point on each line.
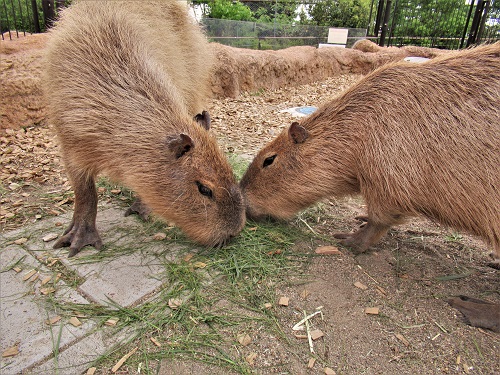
[237, 70]
[21, 102]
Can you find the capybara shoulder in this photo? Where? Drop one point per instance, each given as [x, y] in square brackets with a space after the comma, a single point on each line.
[125, 81]
[412, 139]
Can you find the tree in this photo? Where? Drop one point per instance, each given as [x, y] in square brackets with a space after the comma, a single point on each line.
[229, 10]
[435, 22]
[338, 13]
[281, 11]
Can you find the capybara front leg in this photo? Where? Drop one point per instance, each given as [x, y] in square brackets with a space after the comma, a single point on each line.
[82, 230]
[478, 313]
[366, 236]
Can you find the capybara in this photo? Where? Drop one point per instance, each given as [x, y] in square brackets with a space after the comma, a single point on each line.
[124, 82]
[412, 139]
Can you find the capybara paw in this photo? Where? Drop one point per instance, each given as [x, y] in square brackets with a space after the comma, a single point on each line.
[350, 240]
[478, 313]
[77, 238]
[140, 209]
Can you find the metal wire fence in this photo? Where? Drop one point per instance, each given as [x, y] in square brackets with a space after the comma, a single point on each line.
[254, 35]
[448, 24]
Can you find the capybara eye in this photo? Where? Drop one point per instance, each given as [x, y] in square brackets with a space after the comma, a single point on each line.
[204, 190]
[268, 161]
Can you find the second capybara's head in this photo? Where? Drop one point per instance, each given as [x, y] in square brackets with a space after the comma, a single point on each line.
[287, 175]
[276, 183]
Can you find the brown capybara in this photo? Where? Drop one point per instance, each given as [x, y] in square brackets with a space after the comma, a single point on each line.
[412, 139]
[124, 81]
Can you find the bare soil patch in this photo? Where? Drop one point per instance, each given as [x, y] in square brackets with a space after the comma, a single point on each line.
[408, 276]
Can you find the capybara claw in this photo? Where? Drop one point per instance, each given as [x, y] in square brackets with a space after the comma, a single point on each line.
[362, 218]
[77, 238]
[341, 236]
[495, 262]
[478, 313]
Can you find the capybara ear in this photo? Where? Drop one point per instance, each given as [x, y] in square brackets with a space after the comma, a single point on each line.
[179, 144]
[203, 119]
[298, 133]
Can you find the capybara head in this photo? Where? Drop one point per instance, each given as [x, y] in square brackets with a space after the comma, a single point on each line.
[187, 180]
[287, 175]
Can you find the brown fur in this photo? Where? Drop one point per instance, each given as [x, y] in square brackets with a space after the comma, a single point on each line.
[123, 82]
[412, 139]
[366, 45]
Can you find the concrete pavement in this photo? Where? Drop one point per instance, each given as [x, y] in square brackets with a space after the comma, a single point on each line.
[33, 274]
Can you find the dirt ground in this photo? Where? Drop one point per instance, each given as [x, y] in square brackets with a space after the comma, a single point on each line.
[408, 276]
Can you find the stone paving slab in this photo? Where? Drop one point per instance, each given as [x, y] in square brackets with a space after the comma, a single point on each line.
[77, 359]
[23, 315]
[129, 272]
[125, 280]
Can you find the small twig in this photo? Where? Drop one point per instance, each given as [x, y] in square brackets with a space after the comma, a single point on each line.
[435, 337]
[300, 325]
[367, 274]
[123, 359]
[440, 327]
[307, 225]
[309, 339]
[415, 326]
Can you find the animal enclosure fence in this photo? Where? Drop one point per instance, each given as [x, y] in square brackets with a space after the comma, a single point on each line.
[450, 24]
[254, 35]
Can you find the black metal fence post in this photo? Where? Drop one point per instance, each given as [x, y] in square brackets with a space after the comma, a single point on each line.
[48, 13]
[378, 20]
[36, 21]
[476, 23]
[483, 21]
[387, 14]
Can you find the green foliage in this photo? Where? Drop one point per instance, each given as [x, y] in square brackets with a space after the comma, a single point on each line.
[432, 18]
[338, 13]
[434, 23]
[283, 12]
[229, 10]
[18, 15]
